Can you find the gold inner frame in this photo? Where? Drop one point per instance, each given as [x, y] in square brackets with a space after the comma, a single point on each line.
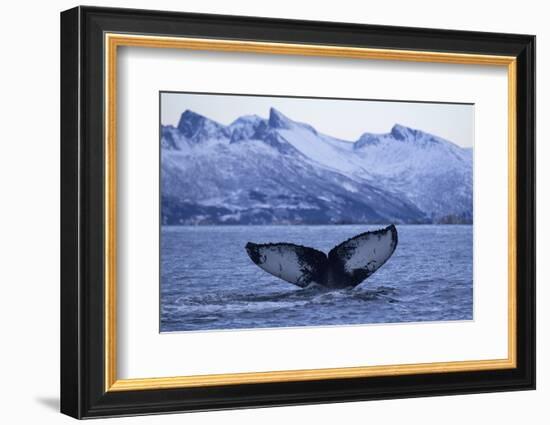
[113, 41]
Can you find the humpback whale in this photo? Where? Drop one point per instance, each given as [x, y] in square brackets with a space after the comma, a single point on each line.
[346, 265]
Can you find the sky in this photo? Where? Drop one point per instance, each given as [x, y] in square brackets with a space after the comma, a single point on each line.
[344, 119]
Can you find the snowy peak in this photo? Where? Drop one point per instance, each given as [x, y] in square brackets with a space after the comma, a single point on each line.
[278, 120]
[245, 121]
[367, 139]
[400, 132]
[247, 127]
[190, 122]
[196, 128]
[407, 134]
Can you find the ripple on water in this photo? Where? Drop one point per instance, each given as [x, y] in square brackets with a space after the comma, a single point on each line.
[208, 282]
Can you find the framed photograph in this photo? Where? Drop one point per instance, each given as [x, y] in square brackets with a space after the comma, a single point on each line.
[261, 212]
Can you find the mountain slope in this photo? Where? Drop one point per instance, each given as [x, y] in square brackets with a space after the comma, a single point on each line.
[275, 170]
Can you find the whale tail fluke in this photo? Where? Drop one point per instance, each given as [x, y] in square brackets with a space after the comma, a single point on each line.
[359, 257]
[295, 264]
[348, 264]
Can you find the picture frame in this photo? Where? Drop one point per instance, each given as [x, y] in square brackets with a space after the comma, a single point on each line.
[91, 38]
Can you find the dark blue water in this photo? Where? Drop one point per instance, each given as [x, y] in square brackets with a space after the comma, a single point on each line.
[208, 282]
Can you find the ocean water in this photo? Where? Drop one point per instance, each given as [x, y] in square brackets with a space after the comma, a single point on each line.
[208, 282]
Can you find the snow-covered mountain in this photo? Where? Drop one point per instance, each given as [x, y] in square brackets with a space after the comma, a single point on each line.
[276, 170]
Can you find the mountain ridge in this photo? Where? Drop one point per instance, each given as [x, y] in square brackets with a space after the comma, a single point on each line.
[403, 176]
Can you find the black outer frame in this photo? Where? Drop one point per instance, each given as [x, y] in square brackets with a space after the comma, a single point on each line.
[82, 218]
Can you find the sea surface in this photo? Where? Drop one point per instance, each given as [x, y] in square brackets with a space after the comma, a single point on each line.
[209, 283]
